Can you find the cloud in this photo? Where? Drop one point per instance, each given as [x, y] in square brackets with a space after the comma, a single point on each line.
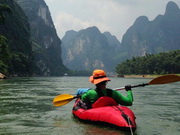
[115, 16]
[65, 21]
[83, 14]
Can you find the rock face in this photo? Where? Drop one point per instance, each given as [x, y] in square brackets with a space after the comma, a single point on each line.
[151, 37]
[29, 39]
[46, 44]
[89, 49]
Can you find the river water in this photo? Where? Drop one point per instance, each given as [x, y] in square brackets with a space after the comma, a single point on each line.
[26, 107]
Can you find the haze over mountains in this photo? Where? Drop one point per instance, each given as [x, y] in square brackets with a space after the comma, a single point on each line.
[88, 49]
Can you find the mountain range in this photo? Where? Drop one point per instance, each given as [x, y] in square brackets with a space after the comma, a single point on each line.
[32, 46]
[151, 37]
[88, 49]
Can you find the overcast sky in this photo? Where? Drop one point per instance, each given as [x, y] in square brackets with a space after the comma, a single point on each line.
[115, 16]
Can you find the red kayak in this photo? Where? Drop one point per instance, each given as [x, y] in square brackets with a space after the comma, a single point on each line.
[106, 112]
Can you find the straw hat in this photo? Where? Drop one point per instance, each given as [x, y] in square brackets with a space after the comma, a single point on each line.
[98, 76]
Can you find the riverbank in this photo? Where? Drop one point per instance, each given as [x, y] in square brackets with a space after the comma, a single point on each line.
[141, 76]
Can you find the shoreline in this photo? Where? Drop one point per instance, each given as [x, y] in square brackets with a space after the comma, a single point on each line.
[145, 76]
[141, 76]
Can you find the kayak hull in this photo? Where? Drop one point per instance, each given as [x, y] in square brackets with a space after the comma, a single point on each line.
[115, 116]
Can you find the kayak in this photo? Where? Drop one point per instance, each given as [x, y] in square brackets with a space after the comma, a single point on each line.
[107, 114]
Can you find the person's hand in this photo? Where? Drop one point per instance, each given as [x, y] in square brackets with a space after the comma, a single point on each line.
[128, 87]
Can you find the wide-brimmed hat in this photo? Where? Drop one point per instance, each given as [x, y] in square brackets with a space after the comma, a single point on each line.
[98, 77]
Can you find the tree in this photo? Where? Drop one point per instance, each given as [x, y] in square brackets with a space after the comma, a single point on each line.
[162, 63]
[4, 55]
[4, 8]
[4, 52]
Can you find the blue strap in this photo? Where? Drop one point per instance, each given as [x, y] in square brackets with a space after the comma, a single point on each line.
[82, 90]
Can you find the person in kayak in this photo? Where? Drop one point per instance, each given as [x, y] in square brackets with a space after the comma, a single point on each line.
[100, 80]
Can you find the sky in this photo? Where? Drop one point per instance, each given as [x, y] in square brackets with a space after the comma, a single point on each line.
[114, 16]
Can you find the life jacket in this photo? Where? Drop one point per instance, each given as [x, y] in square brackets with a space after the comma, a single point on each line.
[104, 100]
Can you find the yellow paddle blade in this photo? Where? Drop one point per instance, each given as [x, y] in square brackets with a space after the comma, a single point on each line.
[165, 79]
[61, 103]
[63, 99]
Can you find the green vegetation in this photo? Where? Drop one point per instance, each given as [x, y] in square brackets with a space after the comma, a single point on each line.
[26, 50]
[15, 46]
[79, 73]
[4, 51]
[4, 8]
[162, 63]
[4, 55]
[11, 63]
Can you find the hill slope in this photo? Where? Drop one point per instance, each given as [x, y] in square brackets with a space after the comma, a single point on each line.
[89, 49]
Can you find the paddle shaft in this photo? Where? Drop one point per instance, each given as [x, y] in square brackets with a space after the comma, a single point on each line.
[134, 86]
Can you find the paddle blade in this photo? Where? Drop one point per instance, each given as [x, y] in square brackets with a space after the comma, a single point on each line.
[165, 79]
[63, 99]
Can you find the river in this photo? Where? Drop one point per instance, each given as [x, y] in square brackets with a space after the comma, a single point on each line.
[26, 107]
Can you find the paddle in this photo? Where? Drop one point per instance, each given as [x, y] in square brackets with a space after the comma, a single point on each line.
[63, 99]
[158, 80]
